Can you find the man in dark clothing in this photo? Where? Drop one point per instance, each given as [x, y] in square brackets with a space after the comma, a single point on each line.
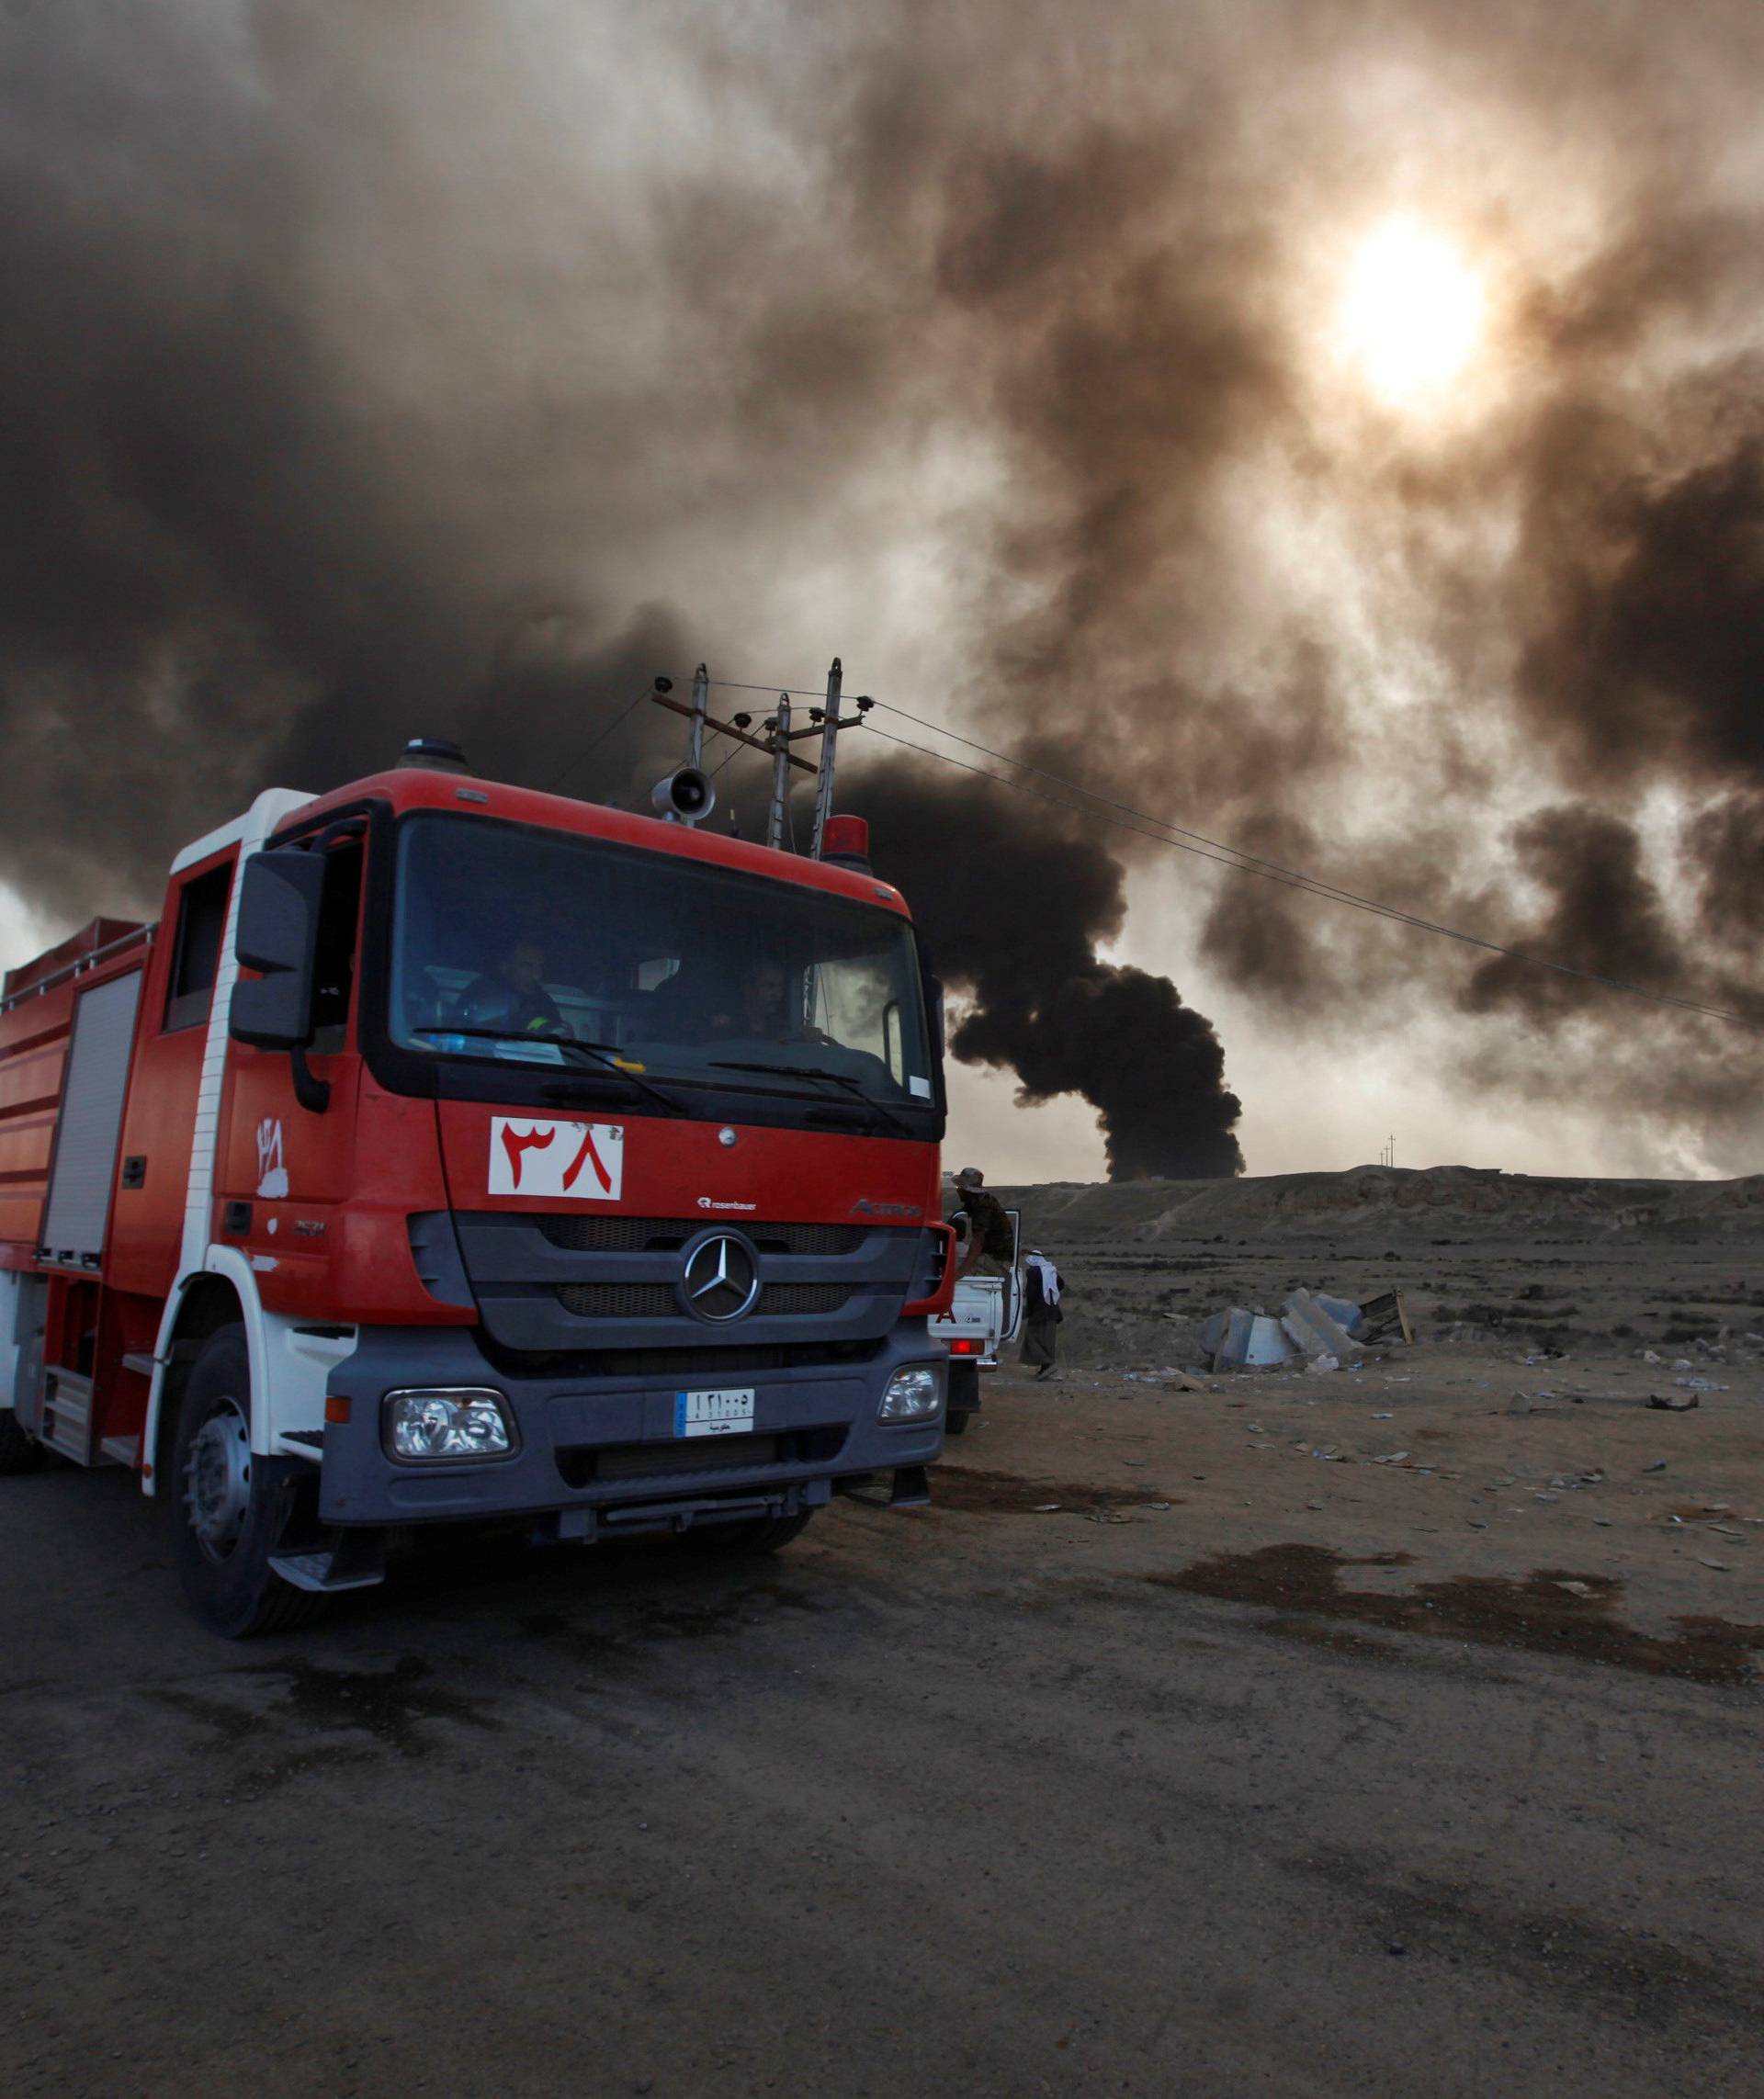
[991, 1242]
[1042, 1287]
[511, 996]
[764, 1012]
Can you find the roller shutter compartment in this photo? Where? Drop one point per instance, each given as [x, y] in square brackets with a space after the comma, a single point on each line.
[90, 1122]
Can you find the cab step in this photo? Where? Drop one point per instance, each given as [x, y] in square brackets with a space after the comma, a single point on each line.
[356, 1560]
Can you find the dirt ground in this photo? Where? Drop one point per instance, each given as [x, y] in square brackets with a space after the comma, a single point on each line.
[1281, 1734]
[1570, 1455]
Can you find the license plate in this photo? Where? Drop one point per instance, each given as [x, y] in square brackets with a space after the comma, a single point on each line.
[725, 1413]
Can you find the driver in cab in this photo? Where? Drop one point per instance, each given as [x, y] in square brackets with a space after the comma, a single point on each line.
[511, 998]
[763, 1010]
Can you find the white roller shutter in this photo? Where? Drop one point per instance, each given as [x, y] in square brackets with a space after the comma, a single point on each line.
[90, 1122]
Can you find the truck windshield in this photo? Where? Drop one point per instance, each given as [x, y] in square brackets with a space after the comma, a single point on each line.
[513, 944]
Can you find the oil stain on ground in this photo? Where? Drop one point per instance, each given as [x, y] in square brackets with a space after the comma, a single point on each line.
[1551, 1611]
[629, 1627]
[971, 1491]
[299, 1730]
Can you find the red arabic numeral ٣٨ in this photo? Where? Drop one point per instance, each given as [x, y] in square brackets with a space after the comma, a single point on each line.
[518, 1147]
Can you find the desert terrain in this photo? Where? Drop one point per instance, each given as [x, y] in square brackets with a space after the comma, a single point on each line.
[1570, 1454]
[1388, 1730]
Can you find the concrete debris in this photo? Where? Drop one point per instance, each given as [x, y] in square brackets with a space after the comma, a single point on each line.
[1672, 1401]
[1344, 1312]
[1239, 1337]
[1267, 1342]
[1312, 1325]
[1313, 1331]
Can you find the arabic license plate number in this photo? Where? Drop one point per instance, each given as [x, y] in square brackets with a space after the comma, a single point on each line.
[724, 1413]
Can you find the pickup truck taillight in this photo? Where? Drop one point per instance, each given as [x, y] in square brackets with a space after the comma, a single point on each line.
[969, 1345]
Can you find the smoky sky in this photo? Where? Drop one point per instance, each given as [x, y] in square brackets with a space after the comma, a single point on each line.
[442, 368]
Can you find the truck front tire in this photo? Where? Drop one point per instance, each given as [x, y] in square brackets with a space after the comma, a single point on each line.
[229, 1502]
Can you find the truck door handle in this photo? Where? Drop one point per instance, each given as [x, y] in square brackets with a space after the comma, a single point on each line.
[134, 1170]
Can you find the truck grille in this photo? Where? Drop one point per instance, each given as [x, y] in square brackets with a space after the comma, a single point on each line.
[700, 1454]
[664, 1235]
[657, 1300]
[583, 1465]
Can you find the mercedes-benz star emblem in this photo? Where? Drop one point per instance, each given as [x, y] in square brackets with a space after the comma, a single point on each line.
[721, 1278]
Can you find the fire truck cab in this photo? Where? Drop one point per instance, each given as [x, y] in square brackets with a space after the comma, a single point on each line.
[451, 1151]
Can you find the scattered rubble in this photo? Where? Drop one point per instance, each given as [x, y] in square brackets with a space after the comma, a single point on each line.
[1323, 1331]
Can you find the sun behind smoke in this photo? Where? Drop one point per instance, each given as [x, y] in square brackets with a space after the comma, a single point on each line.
[1411, 312]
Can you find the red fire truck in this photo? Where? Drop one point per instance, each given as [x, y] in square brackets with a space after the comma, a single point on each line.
[451, 1152]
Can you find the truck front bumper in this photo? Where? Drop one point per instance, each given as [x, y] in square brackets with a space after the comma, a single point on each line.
[597, 1454]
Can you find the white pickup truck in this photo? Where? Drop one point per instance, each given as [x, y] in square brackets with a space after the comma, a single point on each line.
[986, 1314]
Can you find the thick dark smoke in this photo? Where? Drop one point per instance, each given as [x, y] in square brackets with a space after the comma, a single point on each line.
[425, 366]
[1012, 911]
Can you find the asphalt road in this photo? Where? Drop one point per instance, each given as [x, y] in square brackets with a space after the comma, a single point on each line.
[930, 1804]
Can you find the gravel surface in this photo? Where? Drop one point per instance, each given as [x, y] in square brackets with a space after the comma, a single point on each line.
[1161, 1755]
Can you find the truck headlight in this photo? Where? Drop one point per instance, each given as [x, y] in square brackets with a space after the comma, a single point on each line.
[460, 1422]
[913, 1395]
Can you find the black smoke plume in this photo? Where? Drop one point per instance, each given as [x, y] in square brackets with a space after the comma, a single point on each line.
[1011, 911]
[367, 371]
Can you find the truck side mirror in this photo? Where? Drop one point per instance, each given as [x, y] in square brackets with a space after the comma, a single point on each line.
[278, 934]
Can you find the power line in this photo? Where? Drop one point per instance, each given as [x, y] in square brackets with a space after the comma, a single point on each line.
[1163, 832]
[623, 715]
[1238, 856]
[1271, 871]
[795, 692]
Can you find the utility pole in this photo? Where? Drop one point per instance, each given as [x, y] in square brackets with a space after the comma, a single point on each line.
[776, 739]
[700, 699]
[829, 755]
[780, 730]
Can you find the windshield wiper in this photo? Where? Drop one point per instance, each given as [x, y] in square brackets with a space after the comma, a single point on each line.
[609, 1054]
[604, 1054]
[832, 1078]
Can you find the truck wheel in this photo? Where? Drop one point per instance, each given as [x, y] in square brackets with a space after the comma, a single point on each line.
[227, 1502]
[761, 1534]
[964, 1398]
[20, 1451]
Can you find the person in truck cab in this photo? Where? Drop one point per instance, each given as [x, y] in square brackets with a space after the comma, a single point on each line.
[763, 1009]
[512, 996]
